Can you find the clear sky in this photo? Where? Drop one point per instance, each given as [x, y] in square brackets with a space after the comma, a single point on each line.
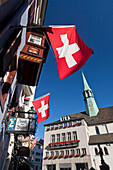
[94, 23]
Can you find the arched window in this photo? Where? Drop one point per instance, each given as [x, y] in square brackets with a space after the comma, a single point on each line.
[106, 151]
[97, 130]
[96, 151]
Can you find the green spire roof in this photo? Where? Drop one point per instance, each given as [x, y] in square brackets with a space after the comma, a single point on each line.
[85, 84]
[90, 104]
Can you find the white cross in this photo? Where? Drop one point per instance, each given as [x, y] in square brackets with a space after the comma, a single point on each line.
[67, 50]
[43, 108]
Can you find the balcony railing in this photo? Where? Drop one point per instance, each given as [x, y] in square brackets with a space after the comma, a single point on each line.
[65, 156]
[64, 144]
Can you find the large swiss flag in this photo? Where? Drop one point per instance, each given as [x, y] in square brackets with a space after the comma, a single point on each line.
[42, 107]
[70, 51]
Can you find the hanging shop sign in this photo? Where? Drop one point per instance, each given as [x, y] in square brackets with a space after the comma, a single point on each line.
[32, 57]
[21, 125]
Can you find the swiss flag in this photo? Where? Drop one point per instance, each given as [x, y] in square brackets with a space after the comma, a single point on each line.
[42, 107]
[70, 51]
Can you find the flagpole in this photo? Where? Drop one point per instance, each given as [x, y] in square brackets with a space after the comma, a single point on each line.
[29, 26]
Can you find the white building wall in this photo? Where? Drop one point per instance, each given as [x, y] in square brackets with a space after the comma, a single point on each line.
[96, 159]
[82, 135]
[110, 127]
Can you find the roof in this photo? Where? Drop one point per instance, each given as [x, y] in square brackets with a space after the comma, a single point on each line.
[101, 139]
[105, 115]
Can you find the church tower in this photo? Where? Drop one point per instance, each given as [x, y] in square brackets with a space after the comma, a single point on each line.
[90, 104]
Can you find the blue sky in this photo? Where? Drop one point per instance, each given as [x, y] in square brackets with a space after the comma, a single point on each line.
[94, 23]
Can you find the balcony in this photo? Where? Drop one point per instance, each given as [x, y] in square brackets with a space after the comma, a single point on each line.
[64, 144]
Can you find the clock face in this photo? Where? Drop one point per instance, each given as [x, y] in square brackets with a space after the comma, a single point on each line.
[90, 104]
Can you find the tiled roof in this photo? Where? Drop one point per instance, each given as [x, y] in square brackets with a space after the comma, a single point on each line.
[101, 139]
[105, 115]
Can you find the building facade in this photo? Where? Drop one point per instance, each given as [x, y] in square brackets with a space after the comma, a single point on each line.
[80, 141]
[15, 17]
[37, 156]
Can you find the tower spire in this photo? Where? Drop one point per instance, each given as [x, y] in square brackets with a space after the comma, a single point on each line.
[90, 104]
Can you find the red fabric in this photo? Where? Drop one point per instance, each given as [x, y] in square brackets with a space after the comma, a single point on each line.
[34, 143]
[38, 104]
[80, 56]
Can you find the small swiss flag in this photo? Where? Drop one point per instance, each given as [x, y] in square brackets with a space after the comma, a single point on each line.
[70, 51]
[42, 107]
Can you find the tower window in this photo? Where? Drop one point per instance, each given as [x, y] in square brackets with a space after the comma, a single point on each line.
[106, 151]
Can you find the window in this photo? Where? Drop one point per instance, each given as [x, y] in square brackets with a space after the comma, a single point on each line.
[69, 136]
[56, 126]
[57, 153]
[63, 137]
[97, 130]
[37, 153]
[96, 151]
[78, 151]
[48, 127]
[37, 160]
[83, 150]
[52, 127]
[106, 151]
[47, 153]
[74, 123]
[62, 153]
[53, 138]
[74, 135]
[38, 146]
[65, 124]
[72, 152]
[67, 152]
[58, 137]
[60, 125]
[36, 167]
[52, 153]
[70, 123]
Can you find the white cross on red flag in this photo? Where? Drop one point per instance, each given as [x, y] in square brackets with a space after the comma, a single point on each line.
[70, 51]
[42, 108]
